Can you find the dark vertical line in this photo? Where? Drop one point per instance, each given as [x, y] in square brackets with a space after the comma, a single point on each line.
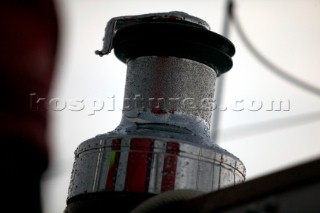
[220, 167]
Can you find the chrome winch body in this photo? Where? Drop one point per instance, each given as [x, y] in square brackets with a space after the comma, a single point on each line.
[163, 141]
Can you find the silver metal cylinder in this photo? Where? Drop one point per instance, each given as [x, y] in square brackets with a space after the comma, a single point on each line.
[147, 162]
[159, 145]
[169, 91]
[163, 141]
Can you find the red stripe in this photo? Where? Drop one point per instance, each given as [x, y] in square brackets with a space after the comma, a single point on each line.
[170, 166]
[149, 165]
[138, 166]
[112, 172]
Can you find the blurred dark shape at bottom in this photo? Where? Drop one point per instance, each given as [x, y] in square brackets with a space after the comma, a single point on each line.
[22, 167]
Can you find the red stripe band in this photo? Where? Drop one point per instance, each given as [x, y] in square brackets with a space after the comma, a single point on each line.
[170, 166]
[139, 163]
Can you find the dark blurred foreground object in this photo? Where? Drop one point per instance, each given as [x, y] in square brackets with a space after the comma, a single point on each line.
[28, 43]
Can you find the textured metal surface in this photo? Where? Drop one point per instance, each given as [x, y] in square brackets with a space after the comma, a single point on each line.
[159, 145]
[170, 91]
[152, 165]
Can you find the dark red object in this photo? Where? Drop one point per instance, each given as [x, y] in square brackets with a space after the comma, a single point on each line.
[137, 172]
[170, 166]
[28, 44]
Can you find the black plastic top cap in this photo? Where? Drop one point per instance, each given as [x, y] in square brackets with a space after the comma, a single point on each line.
[167, 34]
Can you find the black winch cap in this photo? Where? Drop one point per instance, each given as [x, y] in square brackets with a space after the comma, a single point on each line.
[168, 34]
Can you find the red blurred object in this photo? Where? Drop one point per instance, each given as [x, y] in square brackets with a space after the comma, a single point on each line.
[28, 44]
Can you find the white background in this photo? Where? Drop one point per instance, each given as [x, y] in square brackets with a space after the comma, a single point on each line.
[287, 32]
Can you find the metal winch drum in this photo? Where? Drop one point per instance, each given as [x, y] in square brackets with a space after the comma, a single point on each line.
[163, 141]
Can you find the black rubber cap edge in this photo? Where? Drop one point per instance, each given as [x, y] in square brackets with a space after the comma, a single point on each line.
[174, 39]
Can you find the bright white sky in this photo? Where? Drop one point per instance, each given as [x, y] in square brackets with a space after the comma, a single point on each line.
[287, 32]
